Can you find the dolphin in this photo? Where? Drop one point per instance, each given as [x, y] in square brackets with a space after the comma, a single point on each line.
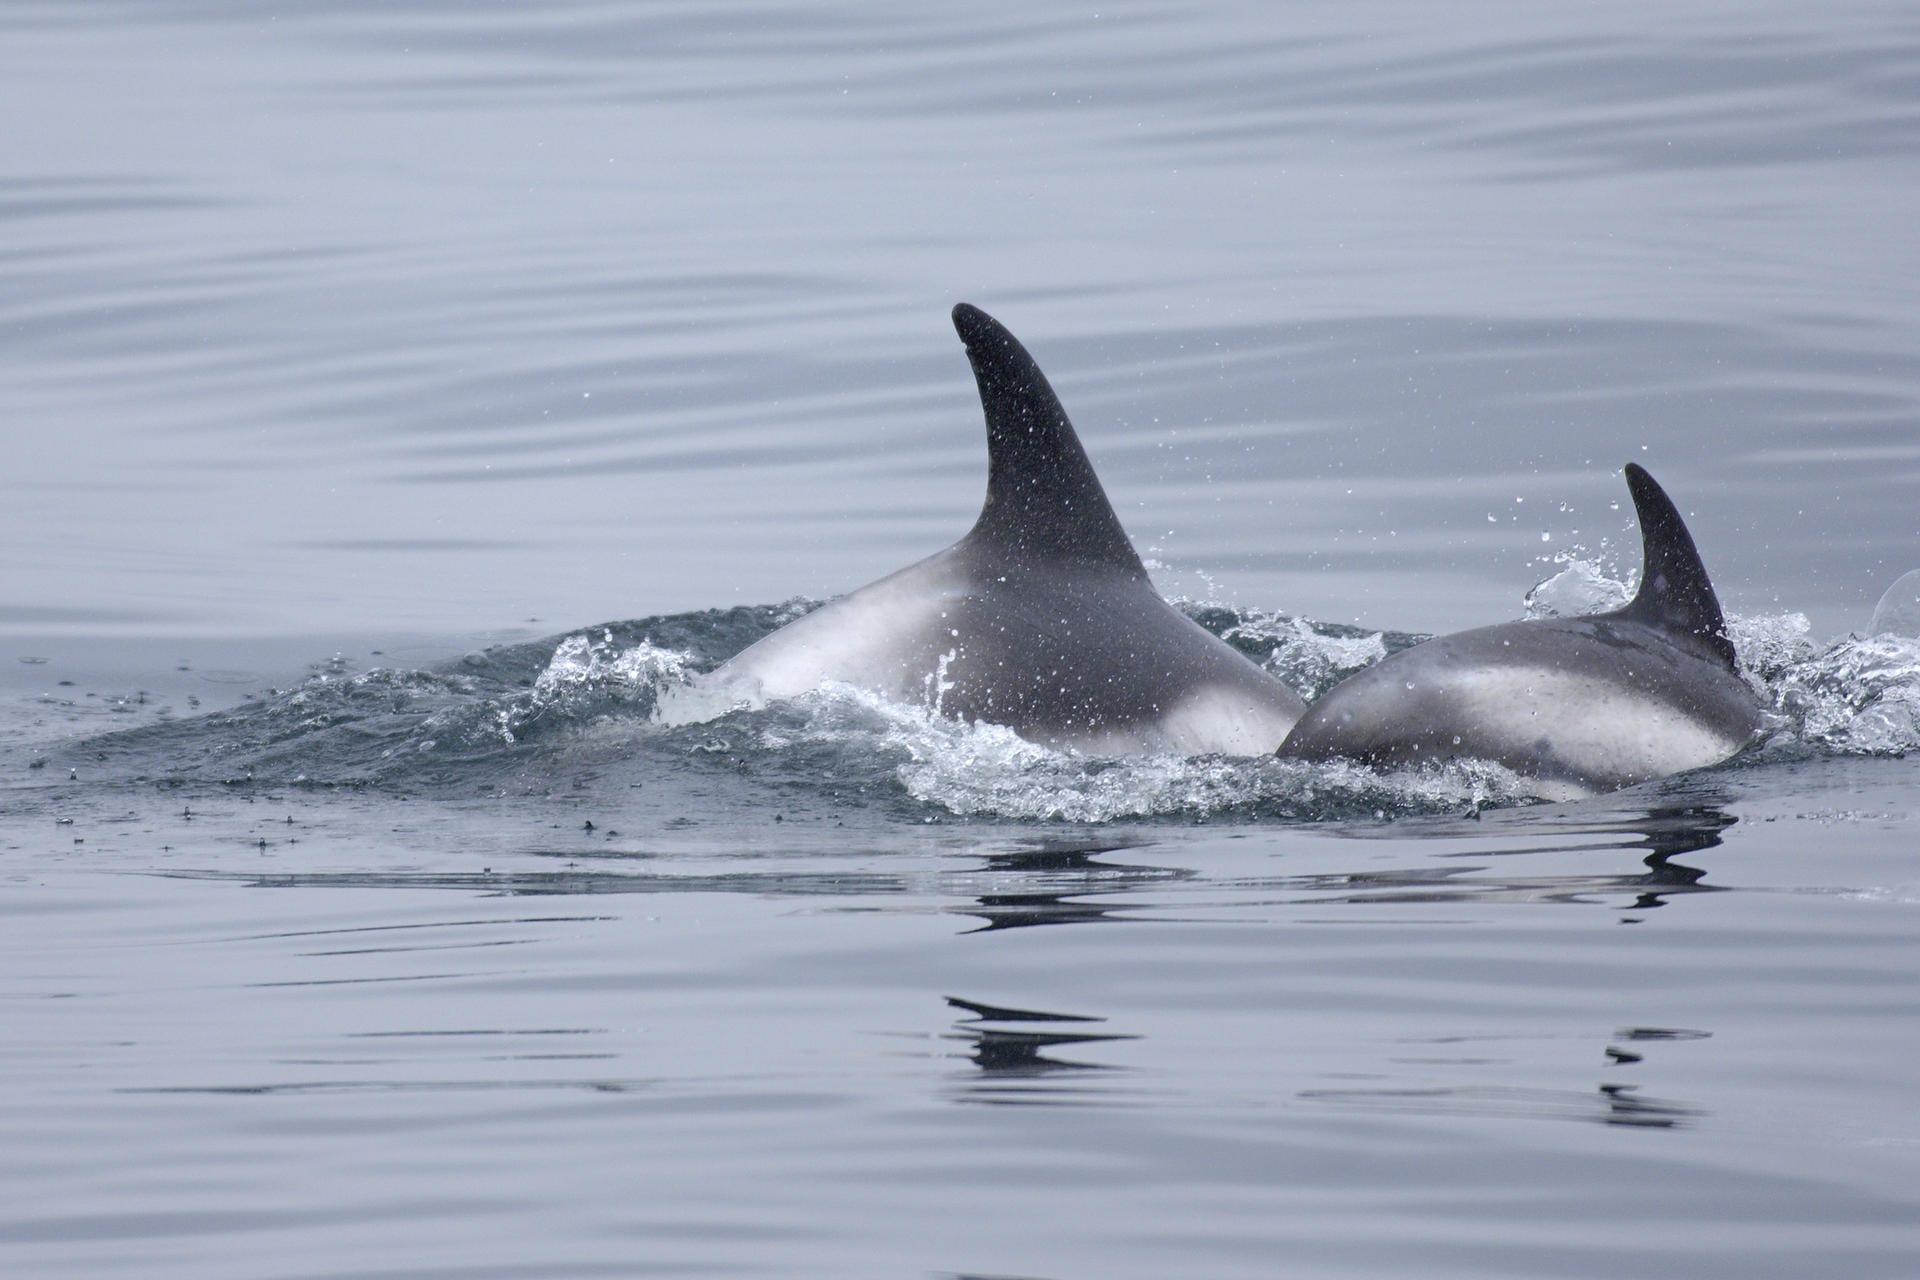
[1041, 618]
[1576, 705]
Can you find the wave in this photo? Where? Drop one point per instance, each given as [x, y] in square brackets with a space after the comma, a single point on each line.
[622, 697]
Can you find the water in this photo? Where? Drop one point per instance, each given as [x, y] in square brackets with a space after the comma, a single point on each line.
[400, 401]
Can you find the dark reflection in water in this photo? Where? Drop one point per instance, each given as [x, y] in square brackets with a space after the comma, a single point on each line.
[553, 883]
[1055, 881]
[1040, 881]
[1071, 880]
[1661, 833]
[1669, 833]
[1665, 832]
[1609, 1102]
[1012, 1061]
[298, 1087]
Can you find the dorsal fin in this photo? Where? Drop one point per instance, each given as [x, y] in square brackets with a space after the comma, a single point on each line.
[1674, 591]
[1043, 499]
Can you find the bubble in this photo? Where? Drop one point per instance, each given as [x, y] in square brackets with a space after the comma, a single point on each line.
[1898, 612]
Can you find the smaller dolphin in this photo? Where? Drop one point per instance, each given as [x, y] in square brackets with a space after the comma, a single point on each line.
[1041, 618]
[1579, 705]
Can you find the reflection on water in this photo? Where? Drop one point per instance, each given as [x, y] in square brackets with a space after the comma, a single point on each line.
[1014, 1061]
[1050, 880]
[453, 1086]
[785, 883]
[1274, 1021]
[1052, 884]
[1608, 1102]
[1659, 833]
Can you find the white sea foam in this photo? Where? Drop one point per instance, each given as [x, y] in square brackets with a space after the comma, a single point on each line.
[988, 770]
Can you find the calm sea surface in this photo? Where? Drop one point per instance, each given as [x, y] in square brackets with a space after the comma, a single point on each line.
[398, 398]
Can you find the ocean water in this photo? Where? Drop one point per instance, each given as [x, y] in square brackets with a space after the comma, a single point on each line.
[401, 401]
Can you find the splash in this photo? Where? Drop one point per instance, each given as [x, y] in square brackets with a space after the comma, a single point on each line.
[1580, 587]
[984, 770]
[620, 701]
[1768, 645]
[405, 727]
[1308, 657]
[1853, 696]
[587, 678]
[1858, 696]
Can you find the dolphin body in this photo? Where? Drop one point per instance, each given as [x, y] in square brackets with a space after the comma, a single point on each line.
[1042, 618]
[1578, 705]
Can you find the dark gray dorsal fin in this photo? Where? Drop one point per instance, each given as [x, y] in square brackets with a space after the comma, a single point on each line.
[1674, 591]
[1043, 500]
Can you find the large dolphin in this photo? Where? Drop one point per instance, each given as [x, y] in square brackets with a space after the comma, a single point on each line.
[1578, 705]
[1041, 619]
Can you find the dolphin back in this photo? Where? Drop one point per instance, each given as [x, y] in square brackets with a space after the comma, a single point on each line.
[1575, 704]
[1041, 618]
[1044, 502]
[1675, 595]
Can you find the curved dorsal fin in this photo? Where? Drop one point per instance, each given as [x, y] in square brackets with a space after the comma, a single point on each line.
[1043, 499]
[1674, 591]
